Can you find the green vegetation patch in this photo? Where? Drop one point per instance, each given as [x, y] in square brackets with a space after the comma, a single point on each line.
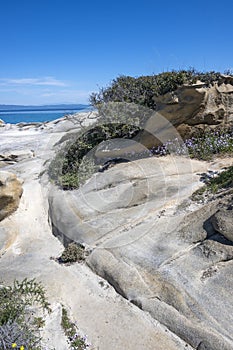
[143, 89]
[202, 147]
[223, 181]
[123, 110]
[72, 167]
[76, 341]
[19, 328]
[76, 162]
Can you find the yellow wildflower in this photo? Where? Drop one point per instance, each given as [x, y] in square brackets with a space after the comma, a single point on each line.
[14, 345]
[21, 347]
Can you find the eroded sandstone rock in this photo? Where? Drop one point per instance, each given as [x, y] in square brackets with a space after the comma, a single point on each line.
[10, 193]
[193, 108]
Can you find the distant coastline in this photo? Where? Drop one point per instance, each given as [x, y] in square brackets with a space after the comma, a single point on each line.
[18, 108]
[14, 114]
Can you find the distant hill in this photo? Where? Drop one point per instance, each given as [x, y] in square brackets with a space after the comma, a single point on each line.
[17, 108]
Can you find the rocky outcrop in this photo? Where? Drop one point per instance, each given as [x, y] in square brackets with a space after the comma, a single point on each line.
[169, 260]
[15, 156]
[157, 249]
[10, 193]
[181, 114]
[27, 247]
[198, 107]
[223, 223]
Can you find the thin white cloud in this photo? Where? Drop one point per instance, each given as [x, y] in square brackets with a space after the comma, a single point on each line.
[36, 95]
[44, 81]
[66, 95]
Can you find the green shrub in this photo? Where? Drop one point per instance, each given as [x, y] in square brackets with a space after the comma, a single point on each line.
[143, 89]
[69, 181]
[123, 110]
[74, 164]
[14, 300]
[17, 321]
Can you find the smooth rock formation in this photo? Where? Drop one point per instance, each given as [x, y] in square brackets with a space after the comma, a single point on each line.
[158, 250]
[28, 249]
[158, 273]
[10, 193]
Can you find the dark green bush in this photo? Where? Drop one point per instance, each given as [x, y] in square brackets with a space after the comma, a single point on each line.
[72, 167]
[143, 89]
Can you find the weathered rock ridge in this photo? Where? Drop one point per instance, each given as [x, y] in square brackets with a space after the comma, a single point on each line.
[157, 249]
[27, 245]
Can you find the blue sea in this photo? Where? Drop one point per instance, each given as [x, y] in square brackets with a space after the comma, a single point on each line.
[14, 117]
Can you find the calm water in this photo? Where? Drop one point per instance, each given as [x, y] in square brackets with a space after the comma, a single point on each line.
[35, 116]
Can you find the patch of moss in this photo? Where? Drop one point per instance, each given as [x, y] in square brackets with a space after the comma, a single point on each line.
[72, 253]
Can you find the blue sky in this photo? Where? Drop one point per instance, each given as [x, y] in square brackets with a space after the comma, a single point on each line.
[59, 51]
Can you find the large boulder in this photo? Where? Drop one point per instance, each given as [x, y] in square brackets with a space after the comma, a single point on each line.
[10, 193]
[223, 223]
